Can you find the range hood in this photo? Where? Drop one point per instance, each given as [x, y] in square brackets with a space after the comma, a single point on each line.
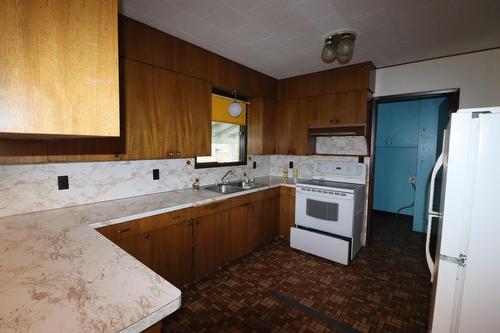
[343, 140]
[354, 129]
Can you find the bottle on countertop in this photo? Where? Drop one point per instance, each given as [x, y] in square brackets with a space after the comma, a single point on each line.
[285, 175]
[196, 184]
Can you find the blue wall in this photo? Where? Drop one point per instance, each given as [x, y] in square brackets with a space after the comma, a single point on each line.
[407, 146]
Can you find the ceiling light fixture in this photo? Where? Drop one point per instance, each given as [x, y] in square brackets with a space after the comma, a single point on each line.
[339, 46]
[234, 108]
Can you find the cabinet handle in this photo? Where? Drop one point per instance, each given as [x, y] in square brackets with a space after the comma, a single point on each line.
[178, 154]
[170, 154]
[123, 230]
[190, 223]
[146, 235]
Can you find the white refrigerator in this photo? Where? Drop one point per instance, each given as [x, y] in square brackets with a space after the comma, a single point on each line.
[466, 269]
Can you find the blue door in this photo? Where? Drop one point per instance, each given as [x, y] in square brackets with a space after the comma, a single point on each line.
[393, 169]
[408, 141]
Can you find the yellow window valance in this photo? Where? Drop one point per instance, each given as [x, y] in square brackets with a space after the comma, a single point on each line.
[219, 111]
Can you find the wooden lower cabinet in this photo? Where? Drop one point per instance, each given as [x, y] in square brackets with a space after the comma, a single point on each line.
[138, 246]
[286, 210]
[270, 217]
[162, 242]
[191, 243]
[237, 238]
[172, 253]
[209, 243]
[256, 224]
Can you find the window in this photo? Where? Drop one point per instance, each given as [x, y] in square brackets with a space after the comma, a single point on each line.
[228, 136]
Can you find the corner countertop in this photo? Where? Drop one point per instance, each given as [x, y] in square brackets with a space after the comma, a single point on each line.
[57, 274]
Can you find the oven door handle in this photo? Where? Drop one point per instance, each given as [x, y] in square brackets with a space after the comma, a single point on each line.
[324, 197]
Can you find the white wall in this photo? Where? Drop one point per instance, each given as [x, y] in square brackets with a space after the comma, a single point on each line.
[476, 74]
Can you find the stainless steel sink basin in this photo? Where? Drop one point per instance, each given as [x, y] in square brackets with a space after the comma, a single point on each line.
[246, 185]
[233, 187]
[224, 188]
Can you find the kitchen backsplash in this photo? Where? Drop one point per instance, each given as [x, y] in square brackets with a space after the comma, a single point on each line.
[351, 145]
[30, 188]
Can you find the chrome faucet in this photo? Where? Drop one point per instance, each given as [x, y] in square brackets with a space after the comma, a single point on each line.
[223, 177]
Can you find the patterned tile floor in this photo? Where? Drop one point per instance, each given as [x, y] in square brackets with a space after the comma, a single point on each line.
[279, 289]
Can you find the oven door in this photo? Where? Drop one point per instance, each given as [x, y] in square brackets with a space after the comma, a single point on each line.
[324, 212]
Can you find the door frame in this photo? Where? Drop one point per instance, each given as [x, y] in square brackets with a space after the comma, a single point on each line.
[453, 96]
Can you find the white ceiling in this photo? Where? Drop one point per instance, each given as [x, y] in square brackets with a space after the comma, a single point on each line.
[283, 38]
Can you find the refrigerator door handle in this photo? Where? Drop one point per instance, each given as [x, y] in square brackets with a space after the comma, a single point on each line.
[431, 214]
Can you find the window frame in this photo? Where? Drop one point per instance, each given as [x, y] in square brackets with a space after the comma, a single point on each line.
[243, 139]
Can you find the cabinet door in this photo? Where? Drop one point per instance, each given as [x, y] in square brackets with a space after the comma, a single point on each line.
[286, 124]
[351, 107]
[192, 124]
[237, 238]
[261, 123]
[139, 247]
[384, 115]
[256, 225]
[393, 168]
[209, 243]
[164, 97]
[405, 123]
[59, 68]
[143, 132]
[270, 218]
[287, 210]
[255, 125]
[323, 108]
[172, 253]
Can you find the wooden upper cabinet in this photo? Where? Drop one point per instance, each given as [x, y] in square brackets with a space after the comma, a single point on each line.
[145, 44]
[192, 125]
[342, 108]
[342, 79]
[261, 122]
[144, 132]
[286, 125]
[224, 74]
[167, 114]
[59, 68]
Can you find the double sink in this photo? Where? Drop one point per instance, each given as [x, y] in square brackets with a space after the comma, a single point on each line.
[233, 187]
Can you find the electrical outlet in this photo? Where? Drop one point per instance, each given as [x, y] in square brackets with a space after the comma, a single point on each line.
[62, 182]
[156, 174]
[290, 165]
[254, 165]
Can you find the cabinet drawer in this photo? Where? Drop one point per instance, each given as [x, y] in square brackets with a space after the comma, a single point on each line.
[133, 228]
[210, 208]
[171, 218]
[245, 199]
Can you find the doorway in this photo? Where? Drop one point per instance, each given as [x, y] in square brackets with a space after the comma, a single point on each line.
[407, 135]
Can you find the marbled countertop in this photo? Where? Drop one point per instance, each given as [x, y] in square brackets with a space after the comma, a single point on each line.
[57, 274]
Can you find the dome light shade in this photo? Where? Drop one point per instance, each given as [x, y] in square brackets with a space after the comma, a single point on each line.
[329, 52]
[235, 109]
[339, 46]
[345, 50]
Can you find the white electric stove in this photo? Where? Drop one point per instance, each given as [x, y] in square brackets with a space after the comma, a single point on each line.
[329, 211]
